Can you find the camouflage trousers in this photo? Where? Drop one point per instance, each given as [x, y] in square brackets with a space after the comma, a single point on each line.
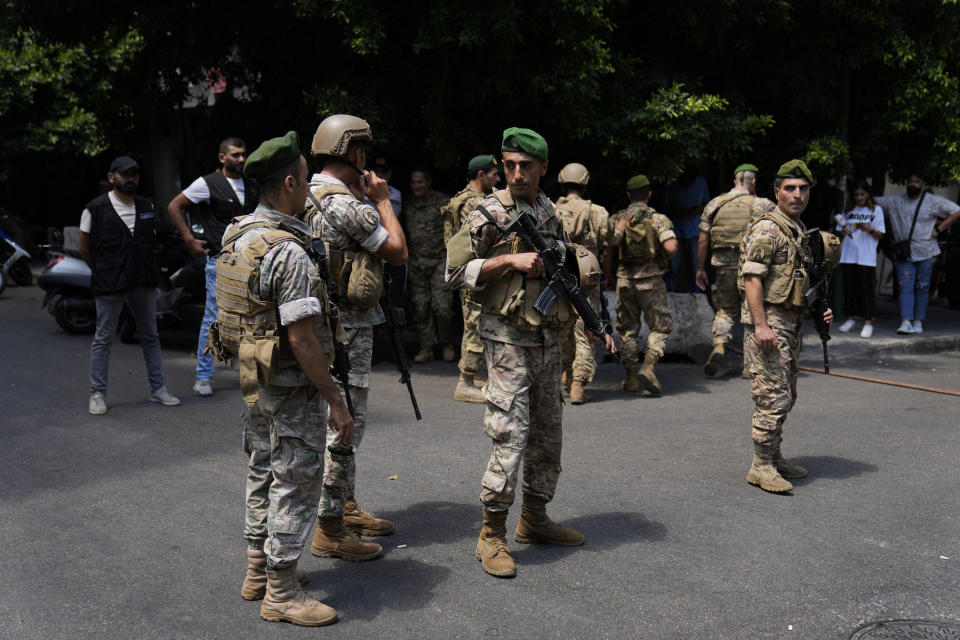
[339, 481]
[646, 296]
[432, 302]
[726, 301]
[524, 416]
[284, 439]
[773, 373]
[471, 346]
[578, 358]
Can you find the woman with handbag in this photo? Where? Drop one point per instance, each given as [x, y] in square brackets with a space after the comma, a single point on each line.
[861, 227]
[916, 218]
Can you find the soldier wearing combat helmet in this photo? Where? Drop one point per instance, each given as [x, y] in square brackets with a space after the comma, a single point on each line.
[522, 349]
[722, 225]
[773, 277]
[586, 224]
[358, 238]
[483, 174]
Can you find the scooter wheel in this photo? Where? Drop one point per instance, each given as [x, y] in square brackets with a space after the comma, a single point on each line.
[3, 281]
[73, 321]
[20, 273]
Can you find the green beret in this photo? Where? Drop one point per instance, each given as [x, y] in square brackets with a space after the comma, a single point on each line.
[745, 167]
[272, 155]
[480, 163]
[524, 141]
[637, 182]
[792, 169]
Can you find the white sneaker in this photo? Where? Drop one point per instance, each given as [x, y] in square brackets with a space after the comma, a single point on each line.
[98, 404]
[202, 388]
[163, 396]
[917, 327]
[847, 326]
[867, 331]
[906, 327]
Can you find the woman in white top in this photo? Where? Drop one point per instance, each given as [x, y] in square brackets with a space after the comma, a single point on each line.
[861, 228]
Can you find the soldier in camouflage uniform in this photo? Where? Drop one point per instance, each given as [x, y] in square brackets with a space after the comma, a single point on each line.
[432, 301]
[773, 278]
[646, 241]
[483, 175]
[724, 221]
[586, 225]
[522, 349]
[358, 238]
[285, 428]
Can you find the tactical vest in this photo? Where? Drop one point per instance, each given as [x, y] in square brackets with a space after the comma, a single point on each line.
[640, 242]
[248, 327]
[578, 222]
[452, 220]
[512, 294]
[730, 221]
[785, 283]
[122, 261]
[357, 274]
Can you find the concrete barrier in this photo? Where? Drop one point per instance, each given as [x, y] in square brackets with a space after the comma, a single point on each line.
[692, 317]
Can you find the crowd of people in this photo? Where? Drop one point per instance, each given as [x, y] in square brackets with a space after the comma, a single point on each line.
[296, 265]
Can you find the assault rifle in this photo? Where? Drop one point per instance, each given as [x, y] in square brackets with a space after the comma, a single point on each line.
[816, 295]
[396, 320]
[559, 281]
[341, 359]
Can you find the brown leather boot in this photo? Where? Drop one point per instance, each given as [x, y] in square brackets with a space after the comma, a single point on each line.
[333, 540]
[577, 393]
[536, 526]
[255, 582]
[424, 355]
[363, 522]
[466, 391]
[449, 353]
[492, 545]
[647, 375]
[763, 474]
[285, 601]
[786, 468]
[714, 359]
[632, 381]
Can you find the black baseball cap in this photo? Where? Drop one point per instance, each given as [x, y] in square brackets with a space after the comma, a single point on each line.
[122, 164]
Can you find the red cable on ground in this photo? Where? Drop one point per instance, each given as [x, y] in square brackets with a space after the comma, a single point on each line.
[849, 376]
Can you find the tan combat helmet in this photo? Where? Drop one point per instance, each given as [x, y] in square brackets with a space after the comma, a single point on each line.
[574, 173]
[587, 267]
[831, 250]
[336, 132]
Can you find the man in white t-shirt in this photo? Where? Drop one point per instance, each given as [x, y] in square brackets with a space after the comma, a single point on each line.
[213, 200]
[118, 241]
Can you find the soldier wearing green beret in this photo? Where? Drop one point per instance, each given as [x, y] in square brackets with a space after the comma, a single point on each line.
[772, 276]
[646, 243]
[722, 225]
[274, 313]
[586, 224]
[483, 175]
[522, 348]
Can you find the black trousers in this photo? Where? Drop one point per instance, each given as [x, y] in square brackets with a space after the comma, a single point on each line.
[859, 298]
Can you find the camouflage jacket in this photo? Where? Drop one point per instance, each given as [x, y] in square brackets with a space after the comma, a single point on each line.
[729, 258]
[456, 210]
[424, 227]
[664, 230]
[584, 222]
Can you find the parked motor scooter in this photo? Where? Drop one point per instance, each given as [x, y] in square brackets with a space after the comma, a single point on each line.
[66, 279]
[14, 262]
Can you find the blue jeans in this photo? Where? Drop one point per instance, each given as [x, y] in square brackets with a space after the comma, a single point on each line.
[914, 281]
[205, 362]
[143, 304]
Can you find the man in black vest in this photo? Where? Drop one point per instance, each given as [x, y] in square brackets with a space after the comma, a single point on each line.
[214, 200]
[117, 239]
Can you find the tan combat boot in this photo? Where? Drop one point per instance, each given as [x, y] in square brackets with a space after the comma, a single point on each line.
[466, 391]
[358, 519]
[536, 526]
[577, 393]
[449, 353]
[566, 380]
[424, 355]
[492, 545]
[763, 474]
[479, 382]
[714, 359]
[631, 382]
[648, 376]
[285, 601]
[255, 582]
[786, 468]
[333, 540]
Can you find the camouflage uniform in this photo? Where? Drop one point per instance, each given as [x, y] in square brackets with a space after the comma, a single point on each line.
[725, 254]
[471, 347]
[768, 252]
[284, 434]
[640, 289]
[349, 224]
[524, 401]
[585, 224]
[431, 299]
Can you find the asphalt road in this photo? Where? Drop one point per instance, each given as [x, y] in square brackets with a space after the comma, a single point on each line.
[129, 525]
